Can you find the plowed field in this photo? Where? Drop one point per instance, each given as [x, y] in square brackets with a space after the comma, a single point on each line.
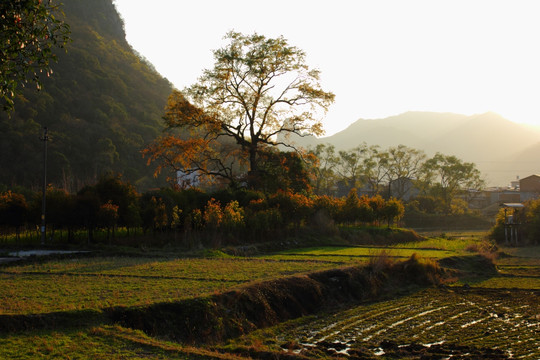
[435, 323]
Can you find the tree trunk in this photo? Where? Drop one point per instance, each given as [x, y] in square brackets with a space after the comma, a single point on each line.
[253, 173]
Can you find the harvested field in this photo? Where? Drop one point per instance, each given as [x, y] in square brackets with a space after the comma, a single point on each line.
[491, 312]
[434, 323]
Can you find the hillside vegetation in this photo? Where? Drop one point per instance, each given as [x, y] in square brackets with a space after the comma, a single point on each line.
[102, 105]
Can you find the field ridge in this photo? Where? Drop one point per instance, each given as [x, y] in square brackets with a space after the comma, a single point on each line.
[236, 312]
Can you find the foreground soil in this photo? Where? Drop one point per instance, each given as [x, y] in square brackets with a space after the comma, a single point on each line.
[488, 313]
[457, 323]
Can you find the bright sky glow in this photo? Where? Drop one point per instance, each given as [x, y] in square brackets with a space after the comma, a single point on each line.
[380, 58]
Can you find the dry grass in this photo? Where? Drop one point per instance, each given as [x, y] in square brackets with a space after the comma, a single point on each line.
[382, 261]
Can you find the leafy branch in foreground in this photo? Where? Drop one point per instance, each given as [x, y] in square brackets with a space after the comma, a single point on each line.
[30, 29]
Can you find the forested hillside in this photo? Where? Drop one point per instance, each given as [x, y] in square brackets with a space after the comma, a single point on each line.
[102, 104]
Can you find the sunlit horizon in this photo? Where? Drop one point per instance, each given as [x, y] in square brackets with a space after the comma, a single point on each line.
[380, 58]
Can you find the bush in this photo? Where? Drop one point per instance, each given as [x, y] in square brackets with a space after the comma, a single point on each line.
[233, 216]
[213, 215]
[294, 208]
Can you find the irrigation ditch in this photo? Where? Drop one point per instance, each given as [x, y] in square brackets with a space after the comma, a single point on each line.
[234, 313]
[223, 315]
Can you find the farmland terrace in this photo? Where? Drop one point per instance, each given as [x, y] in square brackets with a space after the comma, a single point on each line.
[433, 298]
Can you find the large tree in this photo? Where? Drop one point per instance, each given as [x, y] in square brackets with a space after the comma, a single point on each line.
[30, 29]
[259, 91]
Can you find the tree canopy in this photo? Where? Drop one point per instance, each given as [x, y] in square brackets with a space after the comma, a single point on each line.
[450, 175]
[30, 29]
[438, 183]
[259, 91]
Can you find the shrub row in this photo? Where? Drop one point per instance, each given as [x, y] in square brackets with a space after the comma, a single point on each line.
[228, 215]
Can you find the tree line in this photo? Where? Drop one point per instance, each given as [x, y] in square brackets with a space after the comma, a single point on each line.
[401, 172]
[225, 216]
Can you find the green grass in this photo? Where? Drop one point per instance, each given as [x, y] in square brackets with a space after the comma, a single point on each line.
[521, 269]
[36, 294]
[97, 283]
[525, 252]
[456, 245]
[226, 269]
[361, 253]
[511, 282]
[101, 282]
[103, 342]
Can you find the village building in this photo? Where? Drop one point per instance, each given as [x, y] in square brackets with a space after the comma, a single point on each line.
[403, 188]
[529, 188]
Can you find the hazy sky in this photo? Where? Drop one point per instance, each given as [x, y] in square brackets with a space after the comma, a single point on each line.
[380, 58]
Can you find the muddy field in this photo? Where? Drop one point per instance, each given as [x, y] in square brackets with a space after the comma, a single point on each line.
[456, 323]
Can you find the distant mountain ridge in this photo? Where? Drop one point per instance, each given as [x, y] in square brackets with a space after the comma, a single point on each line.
[500, 148]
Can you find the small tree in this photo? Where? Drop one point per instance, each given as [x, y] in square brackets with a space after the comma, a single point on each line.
[351, 165]
[403, 163]
[154, 214]
[376, 167]
[322, 163]
[350, 209]
[122, 194]
[233, 216]
[213, 215]
[87, 207]
[294, 208]
[176, 220]
[392, 211]
[61, 211]
[108, 217]
[449, 176]
[376, 204]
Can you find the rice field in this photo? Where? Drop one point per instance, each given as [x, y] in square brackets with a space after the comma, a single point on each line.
[443, 323]
[478, 317]
[495, 316]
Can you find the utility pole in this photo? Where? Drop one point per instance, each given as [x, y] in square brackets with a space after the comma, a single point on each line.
[44, 138]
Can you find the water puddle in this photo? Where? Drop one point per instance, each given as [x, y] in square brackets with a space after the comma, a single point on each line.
[27, 253]
[471, 323]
